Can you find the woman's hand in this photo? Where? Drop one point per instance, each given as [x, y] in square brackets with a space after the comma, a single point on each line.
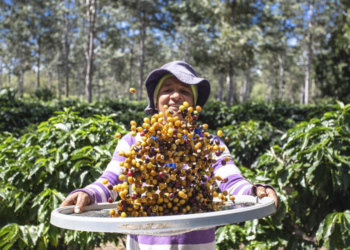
[79, 199]
[269, 192]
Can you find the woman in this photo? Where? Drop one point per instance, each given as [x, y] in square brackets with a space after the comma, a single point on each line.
[171, 85]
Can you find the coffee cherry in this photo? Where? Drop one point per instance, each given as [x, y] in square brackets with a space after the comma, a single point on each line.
[160, 189]
[220, 133]
[110, 200]
[132, 90]
[110, 187]
[105, 181]
[226, 138]
[117, 135]
[199, 108]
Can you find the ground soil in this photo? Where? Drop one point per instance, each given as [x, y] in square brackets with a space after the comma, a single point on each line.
[111, 246]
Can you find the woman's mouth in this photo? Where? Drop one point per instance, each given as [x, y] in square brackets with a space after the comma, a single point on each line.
[174, 107]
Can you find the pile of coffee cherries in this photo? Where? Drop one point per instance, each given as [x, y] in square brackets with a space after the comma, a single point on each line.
[170, 170]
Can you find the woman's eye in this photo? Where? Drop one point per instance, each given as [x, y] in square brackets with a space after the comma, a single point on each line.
[166, 90]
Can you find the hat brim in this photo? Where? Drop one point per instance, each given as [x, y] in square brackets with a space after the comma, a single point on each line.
[153, 78]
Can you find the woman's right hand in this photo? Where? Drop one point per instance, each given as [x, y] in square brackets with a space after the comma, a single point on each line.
[79, 199]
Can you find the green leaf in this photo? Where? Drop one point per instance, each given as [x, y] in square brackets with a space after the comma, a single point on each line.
[340, 105]
[22, 201]
[62, 126]
[50, 167]
[329, 222]
[8, 235]
[58, 194]
[221, 234]
[33, 232]
[305, 141]
[82, 177]
[91, 138]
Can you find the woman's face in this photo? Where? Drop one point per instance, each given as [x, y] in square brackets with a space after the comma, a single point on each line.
[174, 93]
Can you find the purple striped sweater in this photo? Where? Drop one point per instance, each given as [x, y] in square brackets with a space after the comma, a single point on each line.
[202, 239]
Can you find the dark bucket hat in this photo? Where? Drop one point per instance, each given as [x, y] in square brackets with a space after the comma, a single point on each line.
[184, 73]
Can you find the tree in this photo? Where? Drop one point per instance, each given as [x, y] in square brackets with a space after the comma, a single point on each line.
[333, 64]
[90, 16]
[149, 15]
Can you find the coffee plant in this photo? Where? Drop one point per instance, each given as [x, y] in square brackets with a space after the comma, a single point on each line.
[311, 173]
[248, 140]
[39, 169]
[309, 166]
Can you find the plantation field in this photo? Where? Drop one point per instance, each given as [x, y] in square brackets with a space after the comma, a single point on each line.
[48, 149]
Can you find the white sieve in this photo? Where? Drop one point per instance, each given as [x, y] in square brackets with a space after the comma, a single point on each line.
[95, 218]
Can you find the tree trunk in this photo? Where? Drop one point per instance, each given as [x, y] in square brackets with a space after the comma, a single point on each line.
[267, 90]
[91, 14]
[81, 82]
[113, 94]
[313, 93]
[130, 71]
[20, 76]
[49, 73]
[9, 75]
[230, 85]
[246, 86]
[281, 64]
[187, 50]
[38, 62]
[309, 56]
[66, 55]
[142, 52]
[221, 87]
[0, 72]
[20, 81]
[301, 95]
[103, 87]
[59, 83]
[98, 84]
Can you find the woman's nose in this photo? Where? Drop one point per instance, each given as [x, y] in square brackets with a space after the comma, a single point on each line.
[175, 94]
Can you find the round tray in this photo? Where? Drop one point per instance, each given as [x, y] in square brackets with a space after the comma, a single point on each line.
[95, 218]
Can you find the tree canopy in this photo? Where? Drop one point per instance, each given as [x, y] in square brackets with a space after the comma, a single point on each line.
[263, 50]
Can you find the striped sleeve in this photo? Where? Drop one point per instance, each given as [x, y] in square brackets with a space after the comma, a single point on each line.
[236, 183]
[99, 192]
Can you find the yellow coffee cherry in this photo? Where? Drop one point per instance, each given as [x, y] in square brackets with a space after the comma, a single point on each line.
[199, 108]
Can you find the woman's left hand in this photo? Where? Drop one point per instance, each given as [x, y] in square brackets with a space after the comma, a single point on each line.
[269, 192]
